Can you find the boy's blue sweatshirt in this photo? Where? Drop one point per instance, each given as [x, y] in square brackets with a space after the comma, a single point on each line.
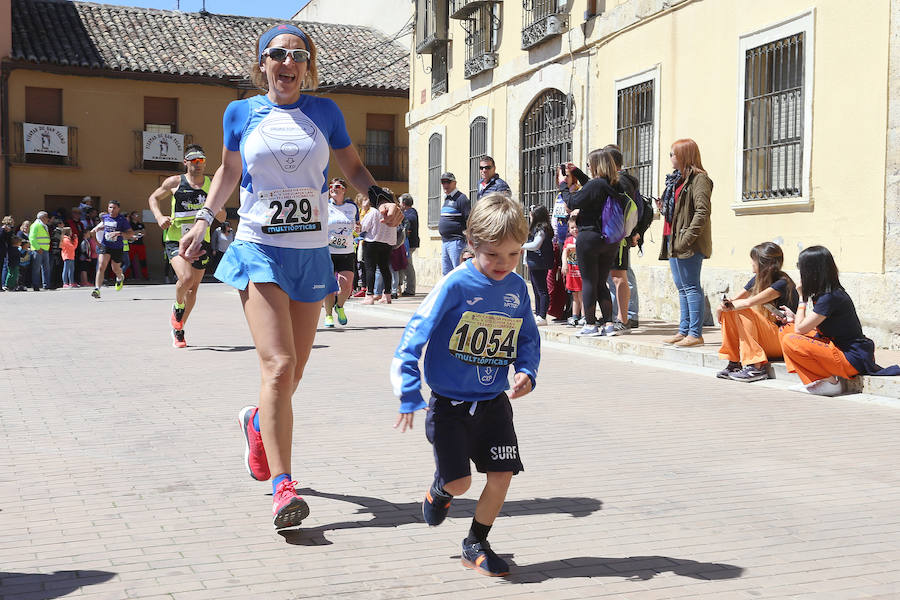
[474, 327]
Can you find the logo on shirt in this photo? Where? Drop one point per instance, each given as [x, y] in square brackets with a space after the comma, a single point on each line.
[319, 286]
[511, 300]
[289, 138]
[474, 300]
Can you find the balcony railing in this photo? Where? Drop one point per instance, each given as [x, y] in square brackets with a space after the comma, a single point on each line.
[20, 156]
[543, 20]
[386, 163]
[461, 9]
[480, 63]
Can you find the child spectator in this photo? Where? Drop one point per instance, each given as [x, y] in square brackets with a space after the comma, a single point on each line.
[476, 321]
[67, 247]
[25, 275]
[573, 275]
[539, 259]
[749, 331]
[14, 255]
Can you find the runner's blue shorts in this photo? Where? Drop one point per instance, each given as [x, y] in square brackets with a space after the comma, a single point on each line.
[306, 275]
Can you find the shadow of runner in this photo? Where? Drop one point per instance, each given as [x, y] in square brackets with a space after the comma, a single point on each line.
[388, 514]
[635, 568]
[45, 586]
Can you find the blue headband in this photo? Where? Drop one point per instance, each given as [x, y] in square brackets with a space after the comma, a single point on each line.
[271, 34]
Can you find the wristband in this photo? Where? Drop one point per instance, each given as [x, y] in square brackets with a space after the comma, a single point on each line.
[801, 305]
[206, 215]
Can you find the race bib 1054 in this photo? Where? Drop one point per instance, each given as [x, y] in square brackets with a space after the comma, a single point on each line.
[485, 339]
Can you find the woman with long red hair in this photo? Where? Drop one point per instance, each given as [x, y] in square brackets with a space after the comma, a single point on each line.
[687, 236]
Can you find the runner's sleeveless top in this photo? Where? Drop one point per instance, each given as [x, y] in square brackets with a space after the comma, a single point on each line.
[186, 202]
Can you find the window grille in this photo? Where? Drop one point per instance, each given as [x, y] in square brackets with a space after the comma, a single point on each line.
[773, 120]
[431, 25]
[477, 149]
[434, 179]
[480, 40]
[634, 133]
[546, 142]
[439, 71]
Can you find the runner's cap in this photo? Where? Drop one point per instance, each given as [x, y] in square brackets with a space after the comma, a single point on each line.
[194, 154]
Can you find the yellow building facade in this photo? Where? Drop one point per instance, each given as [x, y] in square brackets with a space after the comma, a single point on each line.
[105, 111]
[793, 105]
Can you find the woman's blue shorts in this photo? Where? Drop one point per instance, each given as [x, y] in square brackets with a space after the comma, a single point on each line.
[306, 275]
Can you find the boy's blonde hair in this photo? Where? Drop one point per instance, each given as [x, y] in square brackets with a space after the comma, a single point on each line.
[495, 218]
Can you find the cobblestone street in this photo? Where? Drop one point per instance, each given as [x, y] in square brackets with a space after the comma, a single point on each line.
[121, 472]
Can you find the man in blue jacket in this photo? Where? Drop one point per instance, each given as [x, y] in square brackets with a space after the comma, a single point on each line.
[490, 181]
[452, 225]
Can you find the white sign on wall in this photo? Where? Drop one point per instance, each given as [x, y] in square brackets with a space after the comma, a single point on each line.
[163, 146]
[46, 139]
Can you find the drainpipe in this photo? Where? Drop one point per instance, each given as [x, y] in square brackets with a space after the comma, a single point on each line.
[4, 133]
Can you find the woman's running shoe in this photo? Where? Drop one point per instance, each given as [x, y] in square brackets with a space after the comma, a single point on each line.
[254, 452]
[341, 315]
[329, 321]
[120, 283]
[288, 508]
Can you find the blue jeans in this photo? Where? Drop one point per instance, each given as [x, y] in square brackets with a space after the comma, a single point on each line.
[40, 269]
[450, 252]
[68, 272]
[633, 303]
[686, 274]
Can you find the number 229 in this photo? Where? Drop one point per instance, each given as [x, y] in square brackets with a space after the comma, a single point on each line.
[291, 207]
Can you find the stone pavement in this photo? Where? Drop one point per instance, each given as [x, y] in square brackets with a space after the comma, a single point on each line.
[121, 472]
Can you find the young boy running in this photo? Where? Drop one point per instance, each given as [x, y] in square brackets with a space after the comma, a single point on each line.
[476, 322]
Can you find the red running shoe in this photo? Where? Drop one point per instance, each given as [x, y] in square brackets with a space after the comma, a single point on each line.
[178, 338]
[289, 508]
[254, 451]
[177, 319]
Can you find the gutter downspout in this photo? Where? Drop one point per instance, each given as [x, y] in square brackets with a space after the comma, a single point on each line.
[4, 133]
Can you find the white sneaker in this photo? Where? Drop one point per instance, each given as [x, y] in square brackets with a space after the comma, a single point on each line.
[825, 387]
[589, 331]
[540, 321]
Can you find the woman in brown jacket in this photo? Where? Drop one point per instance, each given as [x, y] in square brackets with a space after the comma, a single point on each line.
[687, 236]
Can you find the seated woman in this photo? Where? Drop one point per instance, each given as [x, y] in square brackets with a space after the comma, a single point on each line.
[749, 331]
[837, 347]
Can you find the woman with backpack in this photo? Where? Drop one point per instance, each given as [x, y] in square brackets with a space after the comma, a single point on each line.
[597, 243]
[539, 259]
[687, 236]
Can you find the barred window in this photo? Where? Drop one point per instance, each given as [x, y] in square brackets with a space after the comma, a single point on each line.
[434, 179]
[439, 70]
[477, 149]
[546, 143]
[773, 120]
[634, 132]
[542, 20]
[480, 28]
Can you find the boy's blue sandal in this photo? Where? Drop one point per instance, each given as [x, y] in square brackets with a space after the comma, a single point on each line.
[435, 507]
[479, 556]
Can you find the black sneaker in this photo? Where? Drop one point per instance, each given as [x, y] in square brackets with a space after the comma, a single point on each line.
[479, 556]
[633, 324]
[435, 507]
[749, 374]
[733, 367]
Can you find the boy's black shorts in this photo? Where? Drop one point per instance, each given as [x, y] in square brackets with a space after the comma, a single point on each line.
[200, 263]
[487, 438]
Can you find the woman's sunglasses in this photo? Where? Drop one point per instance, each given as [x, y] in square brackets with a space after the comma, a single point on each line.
[336, 186]
[298, 56]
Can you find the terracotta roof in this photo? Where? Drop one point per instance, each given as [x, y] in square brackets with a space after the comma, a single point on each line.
[142, 40]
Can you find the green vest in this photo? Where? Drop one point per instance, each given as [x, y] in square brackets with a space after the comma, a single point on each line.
[38, 236]
[186, 202]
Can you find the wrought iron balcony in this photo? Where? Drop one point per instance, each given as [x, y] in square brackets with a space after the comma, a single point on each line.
[461, 9]
[386, 163]
[479, 64]
[543, 29]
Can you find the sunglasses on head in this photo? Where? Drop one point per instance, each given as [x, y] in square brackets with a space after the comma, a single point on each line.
[280, 54]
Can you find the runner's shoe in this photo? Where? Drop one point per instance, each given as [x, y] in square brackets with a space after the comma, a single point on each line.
[120, 283]
[435, 507]
[329, 321]
[479, 556]
[95, 293]
[177, 319]
[289, 508]
[254, 452]
[341, 315]
[178, 339]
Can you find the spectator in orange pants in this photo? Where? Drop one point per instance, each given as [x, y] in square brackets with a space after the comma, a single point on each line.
[839, 348]
[749, 330]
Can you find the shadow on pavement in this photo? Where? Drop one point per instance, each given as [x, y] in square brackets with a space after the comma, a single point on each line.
[44, 586]
[388, 514]
[635, 568]
[223, 348]
[344, 328]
